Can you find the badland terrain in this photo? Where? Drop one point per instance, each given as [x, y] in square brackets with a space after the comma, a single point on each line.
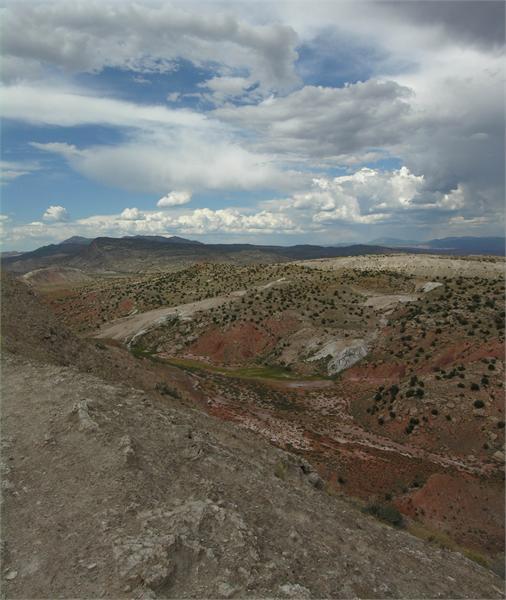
[185, 420]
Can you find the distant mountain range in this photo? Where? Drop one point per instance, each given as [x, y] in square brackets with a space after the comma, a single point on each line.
[149, 253]
[461, 245]
[174, 239]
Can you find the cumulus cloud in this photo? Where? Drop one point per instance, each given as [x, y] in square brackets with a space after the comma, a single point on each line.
[131, 221]
[174, 199]
[55, 213]
[370, 196]
[205, 220]
[131, 214]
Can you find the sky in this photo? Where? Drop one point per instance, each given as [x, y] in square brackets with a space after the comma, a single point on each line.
[266, 122]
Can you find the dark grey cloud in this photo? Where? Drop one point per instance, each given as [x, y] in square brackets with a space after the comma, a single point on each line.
[477, 22]
[325, 123]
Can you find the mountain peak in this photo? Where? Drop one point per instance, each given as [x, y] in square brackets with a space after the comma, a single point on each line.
[77, 239]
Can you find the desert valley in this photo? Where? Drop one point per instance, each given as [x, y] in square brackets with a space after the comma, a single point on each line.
[377, 378]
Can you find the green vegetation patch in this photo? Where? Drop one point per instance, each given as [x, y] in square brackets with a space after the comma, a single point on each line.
[255, 372]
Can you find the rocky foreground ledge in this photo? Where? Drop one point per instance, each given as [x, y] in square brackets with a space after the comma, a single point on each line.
[110, 493]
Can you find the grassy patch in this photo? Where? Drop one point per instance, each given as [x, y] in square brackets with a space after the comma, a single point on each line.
[140, 352]
[256, 372]
[444, 541]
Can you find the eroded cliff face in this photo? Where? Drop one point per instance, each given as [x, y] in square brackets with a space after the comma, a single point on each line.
[109, 492]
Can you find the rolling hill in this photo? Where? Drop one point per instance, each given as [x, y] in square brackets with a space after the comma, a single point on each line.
[153, 253]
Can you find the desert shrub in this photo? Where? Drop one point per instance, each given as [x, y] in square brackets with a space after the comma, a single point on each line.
[387, 513]
[166, 390]
[475, 387]
[394, 390]
[478, 404]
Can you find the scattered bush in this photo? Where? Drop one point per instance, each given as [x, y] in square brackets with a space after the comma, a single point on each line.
[166, 390]
[387, 513]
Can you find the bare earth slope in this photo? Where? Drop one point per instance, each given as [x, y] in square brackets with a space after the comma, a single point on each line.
[31, 330]
[108, 493]
[419, 265]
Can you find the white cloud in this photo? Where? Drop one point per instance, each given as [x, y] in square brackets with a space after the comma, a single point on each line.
[174, 199]
[55, 213]
[4, 220]
[370, 196]
[165, 148]
[180, 159]
[132, 214]
[74, 106]
[205, 220]
[132, 221]
[229, 86]
[10, 170]
[62, 148]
